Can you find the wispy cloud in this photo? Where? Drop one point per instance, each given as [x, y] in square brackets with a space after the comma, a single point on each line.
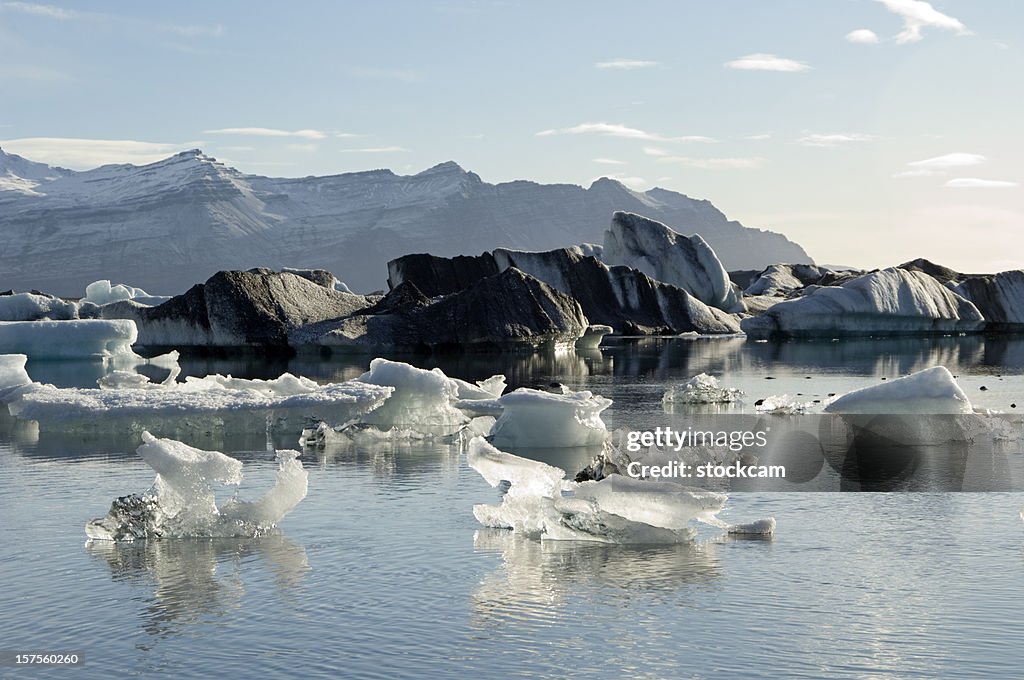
[917, 15]
[623, 131]
[635, 183]
[833, 140]
[655, 151]
[758, 138]
[62, 14]
[90, 153]
[940, 165]
[767, 62]
[267, 132]
[47, 11]
[975, 183]
[751, 163]
[303, 148]
[862, 36]
[608, 161]
[377, 149]
[626, 64]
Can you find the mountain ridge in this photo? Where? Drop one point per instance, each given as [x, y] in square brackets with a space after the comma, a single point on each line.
[166, 225]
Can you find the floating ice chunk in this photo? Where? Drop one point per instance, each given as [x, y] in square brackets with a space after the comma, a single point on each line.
[540, 502]
[74, 339]
[102, 293]
[534, 418]
[421, 400]
[526, 477]
[660, 504]
[783, 404]
[592, 336]
[182, 503]
[198, 404]
[701, 389]
[761, 527]
[483, 389]
[932, 391]
[32, 307]
[12, 372]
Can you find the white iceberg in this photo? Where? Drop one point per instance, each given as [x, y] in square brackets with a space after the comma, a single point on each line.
[103, 293]
[534, 418]
[69, 339]
[199, 404]
[420, 400]
[182, 501]
[890, 301]
[33, 307]
[541, 503]
[687, 262]
[12, 373]
[701, 389]
[932, 391]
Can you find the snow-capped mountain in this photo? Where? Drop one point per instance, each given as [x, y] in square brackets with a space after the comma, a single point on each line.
[173, 223]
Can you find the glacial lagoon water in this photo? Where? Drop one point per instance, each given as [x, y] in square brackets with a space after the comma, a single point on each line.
[383, 572]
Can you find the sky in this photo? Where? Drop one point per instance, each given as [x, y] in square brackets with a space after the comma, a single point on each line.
[869, 131]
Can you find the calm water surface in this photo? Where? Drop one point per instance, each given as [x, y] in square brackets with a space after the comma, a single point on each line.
[383, 572]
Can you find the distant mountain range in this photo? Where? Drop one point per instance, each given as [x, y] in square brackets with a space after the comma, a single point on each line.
[173, 223]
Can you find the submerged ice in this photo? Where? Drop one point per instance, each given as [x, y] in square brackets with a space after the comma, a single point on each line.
[182, 502]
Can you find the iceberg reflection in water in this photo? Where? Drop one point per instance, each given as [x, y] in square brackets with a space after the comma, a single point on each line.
[196, 580]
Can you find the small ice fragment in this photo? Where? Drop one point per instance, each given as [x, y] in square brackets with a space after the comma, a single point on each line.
[181, 503]
[701, 389]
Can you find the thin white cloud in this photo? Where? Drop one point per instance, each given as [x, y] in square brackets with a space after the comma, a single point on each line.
[862, 36]
[377, 149]
[626, 64]
[303, 148]
[635, 183]
[267, 132]
[62, 14]
[655, 151]
[608, 161]
[975, 183]
[829, 141]
[917, 15]
[758, 138]
[617, 130]
[940, 165]
[751, 163]
[90, 153]
[48, 11]
[767, 62]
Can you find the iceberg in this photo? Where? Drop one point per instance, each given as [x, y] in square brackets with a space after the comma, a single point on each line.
[932, 391]
[701, 389]
[182, 502]
[668, 256]
[69, 339]
[420, 400]
[215, 402]
[534, 418]
[541, 503]
[34, 307]
[103, 293]
[891, 301]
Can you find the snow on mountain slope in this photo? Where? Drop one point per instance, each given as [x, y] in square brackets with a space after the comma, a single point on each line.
[173, 223]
